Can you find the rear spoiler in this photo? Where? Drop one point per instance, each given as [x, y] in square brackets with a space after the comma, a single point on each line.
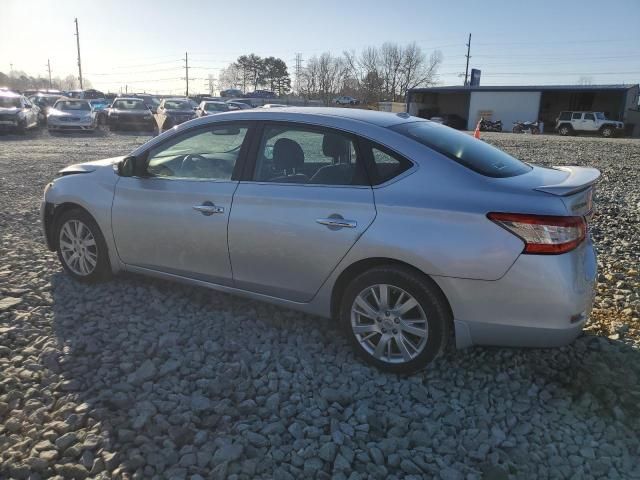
[579, 178]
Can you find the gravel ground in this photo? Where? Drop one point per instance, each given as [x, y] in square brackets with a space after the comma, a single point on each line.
[138, 378]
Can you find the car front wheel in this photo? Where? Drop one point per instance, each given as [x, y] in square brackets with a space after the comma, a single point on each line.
[395, 318]
[81, 247]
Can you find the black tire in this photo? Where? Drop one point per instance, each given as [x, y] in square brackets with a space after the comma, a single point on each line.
[516, 130]
[565, 130]
[607, 132]
[535, 131]
[430, 299]
[102, 269]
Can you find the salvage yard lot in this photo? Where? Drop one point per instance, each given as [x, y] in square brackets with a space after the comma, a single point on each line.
[145, 377]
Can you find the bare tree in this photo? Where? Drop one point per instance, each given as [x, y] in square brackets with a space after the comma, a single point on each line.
[230, 77]
[417, 70]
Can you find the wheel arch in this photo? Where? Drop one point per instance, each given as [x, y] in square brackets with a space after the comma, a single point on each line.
[361, 266]
[52, 216]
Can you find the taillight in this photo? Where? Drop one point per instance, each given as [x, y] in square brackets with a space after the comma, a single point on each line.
[543, 234]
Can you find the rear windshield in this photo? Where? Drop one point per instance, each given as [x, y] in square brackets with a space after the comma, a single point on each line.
[71, 105]
[129, 105]
[464, 149]
[215, 107]
[177, 105]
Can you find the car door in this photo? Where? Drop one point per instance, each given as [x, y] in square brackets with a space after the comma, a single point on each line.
[589, 122]
[576, 121]
[300, 208]
[173, 217]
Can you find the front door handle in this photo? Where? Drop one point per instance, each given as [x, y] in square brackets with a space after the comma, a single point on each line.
[208, 208]
[337, 222]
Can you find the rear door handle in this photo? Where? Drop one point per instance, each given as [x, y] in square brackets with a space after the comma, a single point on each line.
[208, 208]
[335, 222]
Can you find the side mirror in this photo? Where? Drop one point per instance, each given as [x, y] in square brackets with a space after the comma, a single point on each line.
[127, 166]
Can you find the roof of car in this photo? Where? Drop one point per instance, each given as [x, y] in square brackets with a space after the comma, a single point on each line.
[9, 93]
[131, 99]
[382, 119]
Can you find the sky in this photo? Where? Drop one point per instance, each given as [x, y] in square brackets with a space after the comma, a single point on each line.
[141, 44]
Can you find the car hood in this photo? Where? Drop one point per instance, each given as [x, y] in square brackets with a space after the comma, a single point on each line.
[65, 113]
[180, 112]
[130, 112]
[89, 167]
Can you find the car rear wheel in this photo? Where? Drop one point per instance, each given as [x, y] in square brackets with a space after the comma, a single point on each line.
[607, 132]
[395, 318]
[564, 130]
[81, 247]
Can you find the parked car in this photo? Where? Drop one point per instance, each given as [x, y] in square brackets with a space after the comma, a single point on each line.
[174, 111]
[261, 94]
[451, 120]
[45, 102]
[274, 105]
[17, 113]
[101, 107]
[70, 114]
[571, 123]
[130, 113]
[233, 105]
[398, 227]
[231, 92]
[346, 100]
[149, 100]
[210, 107]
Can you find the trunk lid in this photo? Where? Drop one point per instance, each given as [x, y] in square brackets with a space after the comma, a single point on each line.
[575, 189]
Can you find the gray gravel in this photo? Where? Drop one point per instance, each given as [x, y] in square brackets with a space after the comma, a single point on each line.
[138, 378]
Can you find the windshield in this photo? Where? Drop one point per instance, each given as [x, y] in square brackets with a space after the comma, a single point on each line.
[9, 102]
[72, 106]
[177, 105]
[129, 105]
[600, 116]
[464, 149]
[215, 107]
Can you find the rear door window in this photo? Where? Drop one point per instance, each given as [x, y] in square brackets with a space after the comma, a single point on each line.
[576, 116]
[589, 116]
[463, 149]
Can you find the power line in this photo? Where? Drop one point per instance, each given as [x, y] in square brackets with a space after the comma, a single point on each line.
[79, 61]
[186, 70]
[466, 72]
[49, 69]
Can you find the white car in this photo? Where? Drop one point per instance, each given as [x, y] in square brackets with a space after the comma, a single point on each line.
[570, 123]
[346, 100]
[72, 114]
[208, 107]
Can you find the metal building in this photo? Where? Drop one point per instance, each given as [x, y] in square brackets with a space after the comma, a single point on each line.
[522, 103]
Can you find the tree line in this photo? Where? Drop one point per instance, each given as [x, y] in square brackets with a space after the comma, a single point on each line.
[375, 74]
[18, 80]
[253, 72]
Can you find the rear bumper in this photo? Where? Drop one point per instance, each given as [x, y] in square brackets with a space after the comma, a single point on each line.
[542, 301]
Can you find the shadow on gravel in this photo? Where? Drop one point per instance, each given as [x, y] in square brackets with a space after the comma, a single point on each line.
[175, 381]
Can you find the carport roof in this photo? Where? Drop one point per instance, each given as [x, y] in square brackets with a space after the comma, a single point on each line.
[524, 88]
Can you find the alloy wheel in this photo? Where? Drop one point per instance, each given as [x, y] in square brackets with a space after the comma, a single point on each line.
[389, 323]
[78, 247]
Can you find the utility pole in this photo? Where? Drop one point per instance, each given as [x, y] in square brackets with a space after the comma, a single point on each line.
[186, 70]
[10, 67]
[49, 68]
[466, 72]
[298, 70]
[79, 62]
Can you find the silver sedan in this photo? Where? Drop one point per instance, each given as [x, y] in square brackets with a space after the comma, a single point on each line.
[403, 230]
[72, 114]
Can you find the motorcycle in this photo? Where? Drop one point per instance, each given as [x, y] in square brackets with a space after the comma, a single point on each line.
[489, 126]
[526, 127]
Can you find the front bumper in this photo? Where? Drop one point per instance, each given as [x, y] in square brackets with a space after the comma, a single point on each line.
[9, 124]
[542, 301]
[53, 124]
[131, 121]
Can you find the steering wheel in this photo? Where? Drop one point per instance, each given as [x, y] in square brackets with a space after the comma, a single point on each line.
[190, 164]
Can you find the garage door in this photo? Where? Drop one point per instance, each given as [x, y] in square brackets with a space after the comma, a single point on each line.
[506, 106]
